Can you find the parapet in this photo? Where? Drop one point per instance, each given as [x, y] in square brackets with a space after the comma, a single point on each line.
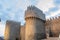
[53, 18]
[11, 21]
[33, 11]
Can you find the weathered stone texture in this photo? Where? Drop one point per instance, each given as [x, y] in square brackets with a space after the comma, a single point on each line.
[12, 30]
[22, 32]
[35, 27]
[52, 38]
[54, 26]
[33, 11]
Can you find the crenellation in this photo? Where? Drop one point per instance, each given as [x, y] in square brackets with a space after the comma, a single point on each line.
[36, 26]
[54, 22]
[53, 18]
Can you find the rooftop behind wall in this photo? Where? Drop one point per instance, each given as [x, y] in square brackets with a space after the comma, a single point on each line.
[33, 11]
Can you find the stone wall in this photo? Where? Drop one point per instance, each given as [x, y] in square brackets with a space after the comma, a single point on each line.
[54, 24]
[22, 32]
[12, 30]
[35, 24]
[35, 29]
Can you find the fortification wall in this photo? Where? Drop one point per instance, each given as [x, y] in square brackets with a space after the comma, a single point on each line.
[54, 24]
[35, 27]
[22, 33]
[12, 30]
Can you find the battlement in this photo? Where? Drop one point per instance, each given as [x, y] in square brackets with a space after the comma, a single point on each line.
[54, 24]
[11, 21]
[35, 28]
[33, 8]
[53, 18]
[33, 11]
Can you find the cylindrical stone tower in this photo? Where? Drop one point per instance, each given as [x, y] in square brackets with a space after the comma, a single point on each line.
[12, 30]
[35, 24]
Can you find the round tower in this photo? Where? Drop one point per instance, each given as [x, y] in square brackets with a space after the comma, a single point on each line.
[35, 24]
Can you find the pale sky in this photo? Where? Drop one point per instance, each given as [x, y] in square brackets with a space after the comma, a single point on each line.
[15, 9]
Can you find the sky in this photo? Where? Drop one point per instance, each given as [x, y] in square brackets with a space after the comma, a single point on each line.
[15, 9]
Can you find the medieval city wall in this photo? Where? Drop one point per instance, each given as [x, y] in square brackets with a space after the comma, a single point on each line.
[22, 32]
[12, 30]
[35, 27]
[54, 24]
